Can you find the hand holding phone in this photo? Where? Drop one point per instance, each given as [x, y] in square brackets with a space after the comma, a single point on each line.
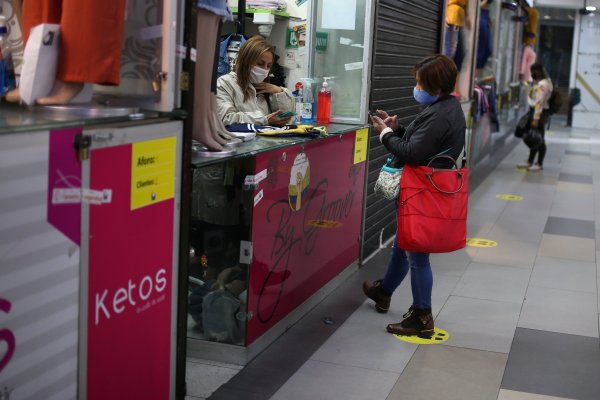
[286, 114]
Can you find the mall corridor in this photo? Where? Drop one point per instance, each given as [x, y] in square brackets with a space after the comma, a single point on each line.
[521, 315]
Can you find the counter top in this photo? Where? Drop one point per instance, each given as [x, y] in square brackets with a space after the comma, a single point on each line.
[262, 144]
[16, 118]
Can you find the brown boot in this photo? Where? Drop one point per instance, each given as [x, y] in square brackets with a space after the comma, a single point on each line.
[376, 293]
[418, 322]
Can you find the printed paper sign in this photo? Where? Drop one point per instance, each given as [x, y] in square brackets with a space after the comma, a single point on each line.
[360, 145]
[256, 179]
[258, 197]
[152, 172]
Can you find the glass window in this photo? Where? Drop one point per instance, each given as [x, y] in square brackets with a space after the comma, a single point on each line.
[339, 51]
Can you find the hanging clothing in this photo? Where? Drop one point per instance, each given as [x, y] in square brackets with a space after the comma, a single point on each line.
[456, 12]
[484, 44]
[91, 36]
[232, 108]
[527, 60]
[218, 7]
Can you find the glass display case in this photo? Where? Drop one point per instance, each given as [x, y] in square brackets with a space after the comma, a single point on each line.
[271, 226]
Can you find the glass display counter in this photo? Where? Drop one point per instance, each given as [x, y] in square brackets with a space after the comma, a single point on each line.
[271, 227]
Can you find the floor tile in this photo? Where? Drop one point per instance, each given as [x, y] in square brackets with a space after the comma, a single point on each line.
[573, 187]
[563, 274]
[568, 247]
[442, 372]
[566, 177]
[572, 205]
[577, 153]
[553, 364]
[512, 395]
[363, 342]
[563, 311]
[510, 251]
[204, 378]
[570, 227]
[325, 381]
[479, 324]
[493, 282]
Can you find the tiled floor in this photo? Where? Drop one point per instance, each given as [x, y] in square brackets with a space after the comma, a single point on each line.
[522, 317]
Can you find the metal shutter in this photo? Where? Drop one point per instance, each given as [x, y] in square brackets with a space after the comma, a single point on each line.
[405, 31]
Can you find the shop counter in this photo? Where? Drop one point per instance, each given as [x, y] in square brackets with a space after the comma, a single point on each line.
[89, 244]
[274, 228]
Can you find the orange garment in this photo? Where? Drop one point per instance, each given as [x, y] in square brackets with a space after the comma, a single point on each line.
[456, 12]
[91, 36]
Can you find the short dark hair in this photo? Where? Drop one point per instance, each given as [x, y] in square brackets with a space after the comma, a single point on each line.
[436, 74]
[538, 72]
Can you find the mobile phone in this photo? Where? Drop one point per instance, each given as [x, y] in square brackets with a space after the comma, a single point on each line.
[286, 114]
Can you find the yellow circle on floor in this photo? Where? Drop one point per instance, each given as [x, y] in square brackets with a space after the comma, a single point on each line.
[439, 336]
[478, 242]
[509, 197]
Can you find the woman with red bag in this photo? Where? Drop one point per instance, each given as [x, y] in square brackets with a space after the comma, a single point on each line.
[438, 129]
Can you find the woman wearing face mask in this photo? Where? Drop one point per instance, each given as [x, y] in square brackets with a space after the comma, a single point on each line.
[538, 100]
[243, 96]
[439, 128]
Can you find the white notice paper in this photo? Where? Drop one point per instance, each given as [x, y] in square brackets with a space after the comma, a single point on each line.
[339, 14]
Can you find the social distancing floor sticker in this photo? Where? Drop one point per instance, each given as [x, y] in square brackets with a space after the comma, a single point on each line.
[479, 242]
[439, 336]
[509, 197]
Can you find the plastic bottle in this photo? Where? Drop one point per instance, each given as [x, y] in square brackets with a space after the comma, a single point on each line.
[7, 71]
[308, 102]
[324, 104]
[298, 98]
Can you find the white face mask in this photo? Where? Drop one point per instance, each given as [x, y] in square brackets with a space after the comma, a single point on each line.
[257, 74]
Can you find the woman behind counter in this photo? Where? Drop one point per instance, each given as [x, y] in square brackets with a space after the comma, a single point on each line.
[243, 96]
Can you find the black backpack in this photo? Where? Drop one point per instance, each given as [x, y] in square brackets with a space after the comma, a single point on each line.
[555, 101]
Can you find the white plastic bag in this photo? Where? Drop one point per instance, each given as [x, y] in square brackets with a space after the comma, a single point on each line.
[40, 61]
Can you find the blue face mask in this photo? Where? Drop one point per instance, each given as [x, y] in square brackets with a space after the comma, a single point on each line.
[421, 96]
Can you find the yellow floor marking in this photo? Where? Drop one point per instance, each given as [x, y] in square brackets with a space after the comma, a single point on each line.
[439, 336]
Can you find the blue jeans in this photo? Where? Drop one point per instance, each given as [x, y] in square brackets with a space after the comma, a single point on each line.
[451, 40]
[421, 276]
[218, 7]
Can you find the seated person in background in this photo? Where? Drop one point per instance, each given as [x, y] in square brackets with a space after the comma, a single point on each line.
[243, 96]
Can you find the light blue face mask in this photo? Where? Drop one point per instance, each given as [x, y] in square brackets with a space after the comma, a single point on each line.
[421, 96]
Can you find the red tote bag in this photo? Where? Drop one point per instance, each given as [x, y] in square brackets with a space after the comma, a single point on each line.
[432, 208]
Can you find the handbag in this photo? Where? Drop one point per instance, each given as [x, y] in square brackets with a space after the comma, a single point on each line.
[533, 138]
[524, 124]
[432, 208]
[40, 61]
[388, 181]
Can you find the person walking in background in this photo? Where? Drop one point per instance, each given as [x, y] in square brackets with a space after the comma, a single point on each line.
[439, 128]
[538, 98]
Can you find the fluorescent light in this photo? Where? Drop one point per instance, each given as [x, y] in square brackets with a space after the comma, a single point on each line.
[591, 8]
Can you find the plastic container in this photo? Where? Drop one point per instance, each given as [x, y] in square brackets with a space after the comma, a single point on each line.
[308, 102]
[324, 104]
[7, 70]
[298, 97]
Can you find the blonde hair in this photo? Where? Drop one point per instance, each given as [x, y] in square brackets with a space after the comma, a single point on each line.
[250, 54]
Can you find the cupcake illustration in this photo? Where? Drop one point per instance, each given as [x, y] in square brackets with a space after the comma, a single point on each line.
[299, 181]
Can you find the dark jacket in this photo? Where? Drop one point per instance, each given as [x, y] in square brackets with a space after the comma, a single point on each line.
[440, 127]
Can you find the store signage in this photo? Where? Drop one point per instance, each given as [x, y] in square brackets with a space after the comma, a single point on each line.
[360, 145]
[130, 272]
[291, 40]
[322, 39]
[152, 172]
[308, 222]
